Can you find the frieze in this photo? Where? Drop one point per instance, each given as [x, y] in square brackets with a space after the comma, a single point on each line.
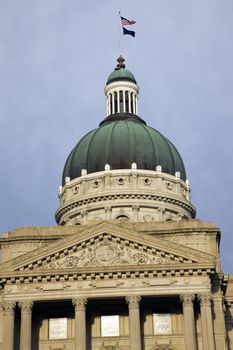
[183, 204]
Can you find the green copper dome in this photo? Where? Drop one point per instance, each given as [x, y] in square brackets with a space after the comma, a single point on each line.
[120, 140]
[121, 74]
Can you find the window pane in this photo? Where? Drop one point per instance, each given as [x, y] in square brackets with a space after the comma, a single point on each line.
[110, 326]
[58, 328]
[162, 323]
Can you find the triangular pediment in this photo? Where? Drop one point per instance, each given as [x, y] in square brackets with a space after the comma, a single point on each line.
[107, 245]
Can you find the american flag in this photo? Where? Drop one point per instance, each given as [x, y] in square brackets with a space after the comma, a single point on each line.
[126, 22]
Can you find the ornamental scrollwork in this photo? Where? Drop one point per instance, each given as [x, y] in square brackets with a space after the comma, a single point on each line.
[133, 301]
[187, 299]
[104, 254]
[8, 306]
[79, 303]
[26, 305]
[205, 299]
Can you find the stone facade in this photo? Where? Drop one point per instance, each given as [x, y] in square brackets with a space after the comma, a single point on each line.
[162, 280]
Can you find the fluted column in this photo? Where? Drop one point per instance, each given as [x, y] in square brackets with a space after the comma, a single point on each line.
[208, 342]
[26, 325]
[134, 322]
[8, 324]
[80, 323]
[189, 321]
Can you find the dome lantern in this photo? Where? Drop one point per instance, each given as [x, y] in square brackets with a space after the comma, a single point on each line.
[121, 90]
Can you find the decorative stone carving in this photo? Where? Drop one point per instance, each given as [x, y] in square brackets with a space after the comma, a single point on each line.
[107, 253]
[95, 183]
[26, 306]
[133, 301]
[8, 306]
[147, 181]
[205, 299]
[79, 303]
[187, 299]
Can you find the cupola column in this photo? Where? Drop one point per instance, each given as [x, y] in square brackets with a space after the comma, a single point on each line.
[130, 110]
[124, 106]
[134, 109]
[118, 102]
[134, 322]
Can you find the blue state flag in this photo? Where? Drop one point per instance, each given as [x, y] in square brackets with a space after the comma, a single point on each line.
[129, 32]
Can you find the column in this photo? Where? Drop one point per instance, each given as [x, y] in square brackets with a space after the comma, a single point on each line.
[113, 102]
[80, 323]
[208, 342]
[8, 324]
[190, 337]
[118, 102]
[26, 325]
[129, 95]
[108, 104]
[134, 109]
[124, 106]
[134, 322]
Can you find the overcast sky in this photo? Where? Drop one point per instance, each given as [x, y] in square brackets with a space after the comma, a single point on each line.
[55, 57]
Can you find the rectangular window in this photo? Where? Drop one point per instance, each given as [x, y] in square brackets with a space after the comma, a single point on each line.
[58, 328]
[162, 323]
[110, 326]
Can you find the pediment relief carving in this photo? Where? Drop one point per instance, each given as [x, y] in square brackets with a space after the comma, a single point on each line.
[106, 244]
[107, 253]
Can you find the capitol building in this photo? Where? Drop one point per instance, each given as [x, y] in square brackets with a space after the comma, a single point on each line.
[128, 267]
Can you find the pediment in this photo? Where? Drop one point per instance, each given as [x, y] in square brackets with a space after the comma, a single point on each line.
[106, 245]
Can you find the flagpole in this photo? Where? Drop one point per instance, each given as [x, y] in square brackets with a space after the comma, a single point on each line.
[120, 34]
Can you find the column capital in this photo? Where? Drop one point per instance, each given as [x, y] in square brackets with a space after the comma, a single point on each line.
[25, 305]
[187, 299]
[8, 306]
[79, 303]
[205, 298]
[133, 301]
